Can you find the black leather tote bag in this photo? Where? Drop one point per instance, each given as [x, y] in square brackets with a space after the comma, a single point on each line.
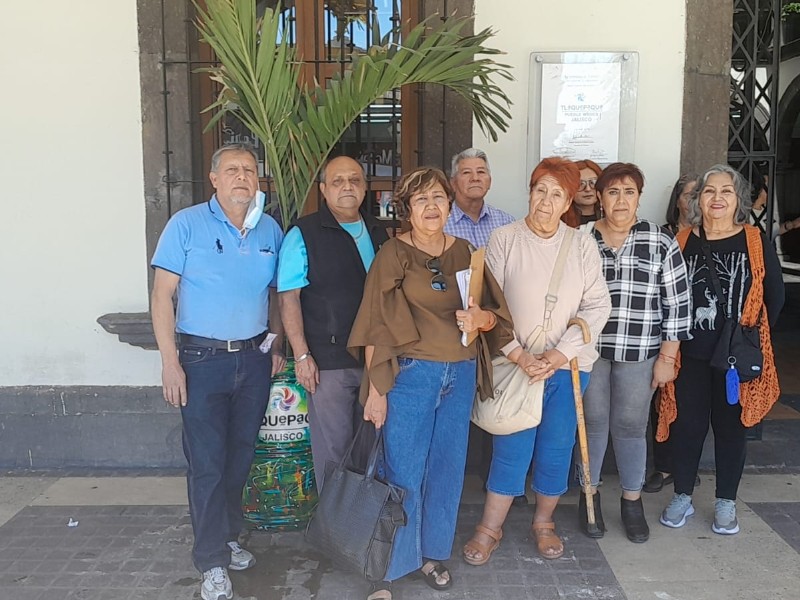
[358, 514]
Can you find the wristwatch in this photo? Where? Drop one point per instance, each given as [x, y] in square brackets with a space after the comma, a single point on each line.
[302, 357]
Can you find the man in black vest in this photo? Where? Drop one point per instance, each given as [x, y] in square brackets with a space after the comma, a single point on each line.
[323, 264]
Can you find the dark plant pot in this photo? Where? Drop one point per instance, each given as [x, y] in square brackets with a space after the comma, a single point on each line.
[790, 29]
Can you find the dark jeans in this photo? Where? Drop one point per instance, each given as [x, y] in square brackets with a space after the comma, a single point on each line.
[700, 395]
[227, 398]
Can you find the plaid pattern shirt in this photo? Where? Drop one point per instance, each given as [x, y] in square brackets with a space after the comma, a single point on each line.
[460, 225]
[650, 295]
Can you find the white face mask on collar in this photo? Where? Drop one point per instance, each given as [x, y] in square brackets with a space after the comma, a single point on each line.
[255, 211]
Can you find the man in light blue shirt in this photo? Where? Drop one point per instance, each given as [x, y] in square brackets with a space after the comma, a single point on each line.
[221, 258]
[471, 218]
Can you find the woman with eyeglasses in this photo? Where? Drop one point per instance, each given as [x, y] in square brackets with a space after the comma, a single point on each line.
[586, 202]
[651, 316]
[522, 258]
[585, 207]
[421, 378]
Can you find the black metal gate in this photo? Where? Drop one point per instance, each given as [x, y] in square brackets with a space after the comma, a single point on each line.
[752, 125]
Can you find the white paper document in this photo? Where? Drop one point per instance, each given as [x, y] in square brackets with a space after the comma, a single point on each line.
[463, 278]
[267, 343]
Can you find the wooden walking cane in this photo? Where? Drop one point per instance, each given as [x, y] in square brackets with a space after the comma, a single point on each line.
[584, 446]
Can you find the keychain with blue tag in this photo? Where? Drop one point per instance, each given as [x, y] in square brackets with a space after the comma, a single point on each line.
[732, 383]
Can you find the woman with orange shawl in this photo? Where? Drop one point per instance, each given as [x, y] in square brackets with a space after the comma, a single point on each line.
[748, 277]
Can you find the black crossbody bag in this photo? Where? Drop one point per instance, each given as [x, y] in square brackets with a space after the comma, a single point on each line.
[739, 346]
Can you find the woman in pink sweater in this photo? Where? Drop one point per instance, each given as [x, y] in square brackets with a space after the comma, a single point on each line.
[521, 256]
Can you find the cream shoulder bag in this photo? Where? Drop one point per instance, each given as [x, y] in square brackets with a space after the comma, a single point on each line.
[515, 404]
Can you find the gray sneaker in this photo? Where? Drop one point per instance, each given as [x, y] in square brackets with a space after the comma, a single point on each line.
[216, 585]
[725, 522]
[677, 510]
[241, 559]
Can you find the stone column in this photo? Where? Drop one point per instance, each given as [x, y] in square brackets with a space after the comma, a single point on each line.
[706, 89]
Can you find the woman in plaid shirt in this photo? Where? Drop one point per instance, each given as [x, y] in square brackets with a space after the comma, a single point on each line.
[650, 315]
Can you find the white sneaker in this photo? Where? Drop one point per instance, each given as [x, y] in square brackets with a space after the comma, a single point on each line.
[725, 522]
[677, 510]
[241, 559]
[216, 585]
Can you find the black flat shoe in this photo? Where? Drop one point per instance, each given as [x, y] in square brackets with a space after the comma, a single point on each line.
[583, 517]
[656, 482]
[438, 570]
[636, 527]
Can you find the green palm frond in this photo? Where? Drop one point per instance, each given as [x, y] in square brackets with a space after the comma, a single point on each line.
[299, 125]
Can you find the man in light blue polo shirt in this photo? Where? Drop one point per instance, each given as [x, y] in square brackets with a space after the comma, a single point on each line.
[221, 258]
[471, 218]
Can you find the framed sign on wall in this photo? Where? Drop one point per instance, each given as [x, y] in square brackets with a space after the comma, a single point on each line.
[582, 105]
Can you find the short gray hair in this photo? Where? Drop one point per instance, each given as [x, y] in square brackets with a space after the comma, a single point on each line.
[744, 203]
[468, 153]
[234, 147]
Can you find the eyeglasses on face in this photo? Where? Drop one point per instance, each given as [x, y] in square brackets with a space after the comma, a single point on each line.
[587, 183]
[438, 283]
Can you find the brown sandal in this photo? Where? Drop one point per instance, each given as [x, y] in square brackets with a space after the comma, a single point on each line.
[485, 549]
[548, 543]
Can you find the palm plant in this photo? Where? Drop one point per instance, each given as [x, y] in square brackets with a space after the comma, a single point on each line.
[299, 122]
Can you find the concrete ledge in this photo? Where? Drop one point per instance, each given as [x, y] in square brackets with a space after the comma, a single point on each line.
[135, 329]
[88, 426]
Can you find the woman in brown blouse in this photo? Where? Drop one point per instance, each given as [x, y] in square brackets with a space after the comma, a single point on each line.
[421, 378]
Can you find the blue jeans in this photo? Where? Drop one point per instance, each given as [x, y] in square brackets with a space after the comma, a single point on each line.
[425, 441]
[227, 397]
[550, 444]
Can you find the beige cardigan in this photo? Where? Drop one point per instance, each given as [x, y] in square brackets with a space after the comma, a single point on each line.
[522, 264]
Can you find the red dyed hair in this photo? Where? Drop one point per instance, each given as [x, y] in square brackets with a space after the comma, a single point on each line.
[617, 172]
[589, 164]
[562, 170]
[572, 217]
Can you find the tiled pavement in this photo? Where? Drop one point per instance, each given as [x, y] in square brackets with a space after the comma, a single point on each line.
[142, 552]
[113, 551]
[133, 540]
[783, 517]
